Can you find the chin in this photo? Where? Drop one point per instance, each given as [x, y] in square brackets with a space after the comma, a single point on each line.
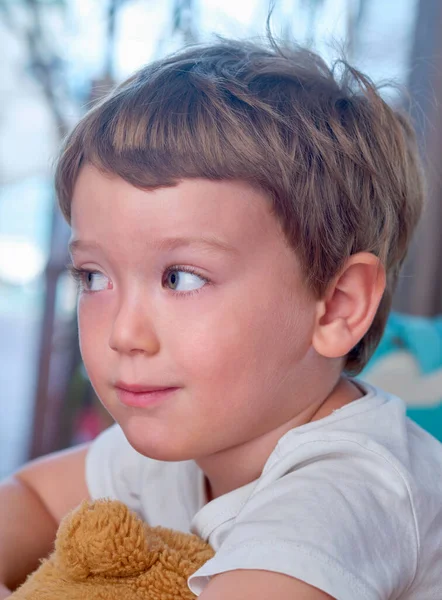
[155, 440]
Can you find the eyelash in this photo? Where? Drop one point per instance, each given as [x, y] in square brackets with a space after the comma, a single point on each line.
[78, 276]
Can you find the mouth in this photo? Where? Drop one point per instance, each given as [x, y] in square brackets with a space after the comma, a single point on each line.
[142, 396]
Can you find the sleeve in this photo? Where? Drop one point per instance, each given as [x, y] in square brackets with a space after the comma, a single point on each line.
[343, 524]
[114, 469]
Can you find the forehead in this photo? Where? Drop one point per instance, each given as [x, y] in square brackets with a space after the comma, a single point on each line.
[104, 205]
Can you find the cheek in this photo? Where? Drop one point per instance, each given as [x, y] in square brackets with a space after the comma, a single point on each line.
[91, 332]
[208, 344]
[277, 336]
[249, 342]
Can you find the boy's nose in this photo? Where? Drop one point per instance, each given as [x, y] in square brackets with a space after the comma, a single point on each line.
[133, 331]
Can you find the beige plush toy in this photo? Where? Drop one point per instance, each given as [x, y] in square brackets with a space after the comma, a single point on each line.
[104, 551]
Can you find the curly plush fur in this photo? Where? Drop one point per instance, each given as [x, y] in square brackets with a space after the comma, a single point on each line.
[105, 551]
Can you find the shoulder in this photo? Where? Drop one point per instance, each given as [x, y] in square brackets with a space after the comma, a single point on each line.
[330, 510]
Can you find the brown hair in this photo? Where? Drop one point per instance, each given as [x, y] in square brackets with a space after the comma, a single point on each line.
[339, 165]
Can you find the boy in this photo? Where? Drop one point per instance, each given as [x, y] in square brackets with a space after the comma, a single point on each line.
[239, 217]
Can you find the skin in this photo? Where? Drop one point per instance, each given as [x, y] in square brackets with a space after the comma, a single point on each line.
[240, 349]
[252, 352]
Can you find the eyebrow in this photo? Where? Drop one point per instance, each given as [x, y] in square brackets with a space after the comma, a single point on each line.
[209, 242]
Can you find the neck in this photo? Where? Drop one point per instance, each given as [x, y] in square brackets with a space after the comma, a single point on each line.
[234, 467]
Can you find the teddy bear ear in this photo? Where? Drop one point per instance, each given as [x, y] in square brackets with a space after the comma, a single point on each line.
[103, 538]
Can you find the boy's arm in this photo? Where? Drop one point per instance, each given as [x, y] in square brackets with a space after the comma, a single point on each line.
[260, 585]
[32, 503]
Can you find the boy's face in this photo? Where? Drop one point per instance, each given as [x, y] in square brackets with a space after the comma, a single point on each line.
[234, 337]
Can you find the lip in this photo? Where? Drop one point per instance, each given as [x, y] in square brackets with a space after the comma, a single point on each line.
[139, 388]
[140, 396]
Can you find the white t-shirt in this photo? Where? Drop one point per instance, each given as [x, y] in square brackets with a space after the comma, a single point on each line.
[351, 504]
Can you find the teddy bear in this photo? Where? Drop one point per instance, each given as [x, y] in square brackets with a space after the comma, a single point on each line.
[104, 551]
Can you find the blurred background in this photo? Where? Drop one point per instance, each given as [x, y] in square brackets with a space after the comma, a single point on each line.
[59, 56]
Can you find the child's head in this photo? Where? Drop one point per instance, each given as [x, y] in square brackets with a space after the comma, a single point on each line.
[226, 125]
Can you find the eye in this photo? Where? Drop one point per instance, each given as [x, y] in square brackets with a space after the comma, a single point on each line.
[89, 281]
[182, 279]
[94, 281]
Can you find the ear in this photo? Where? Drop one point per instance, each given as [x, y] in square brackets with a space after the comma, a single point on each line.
[349, 305]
